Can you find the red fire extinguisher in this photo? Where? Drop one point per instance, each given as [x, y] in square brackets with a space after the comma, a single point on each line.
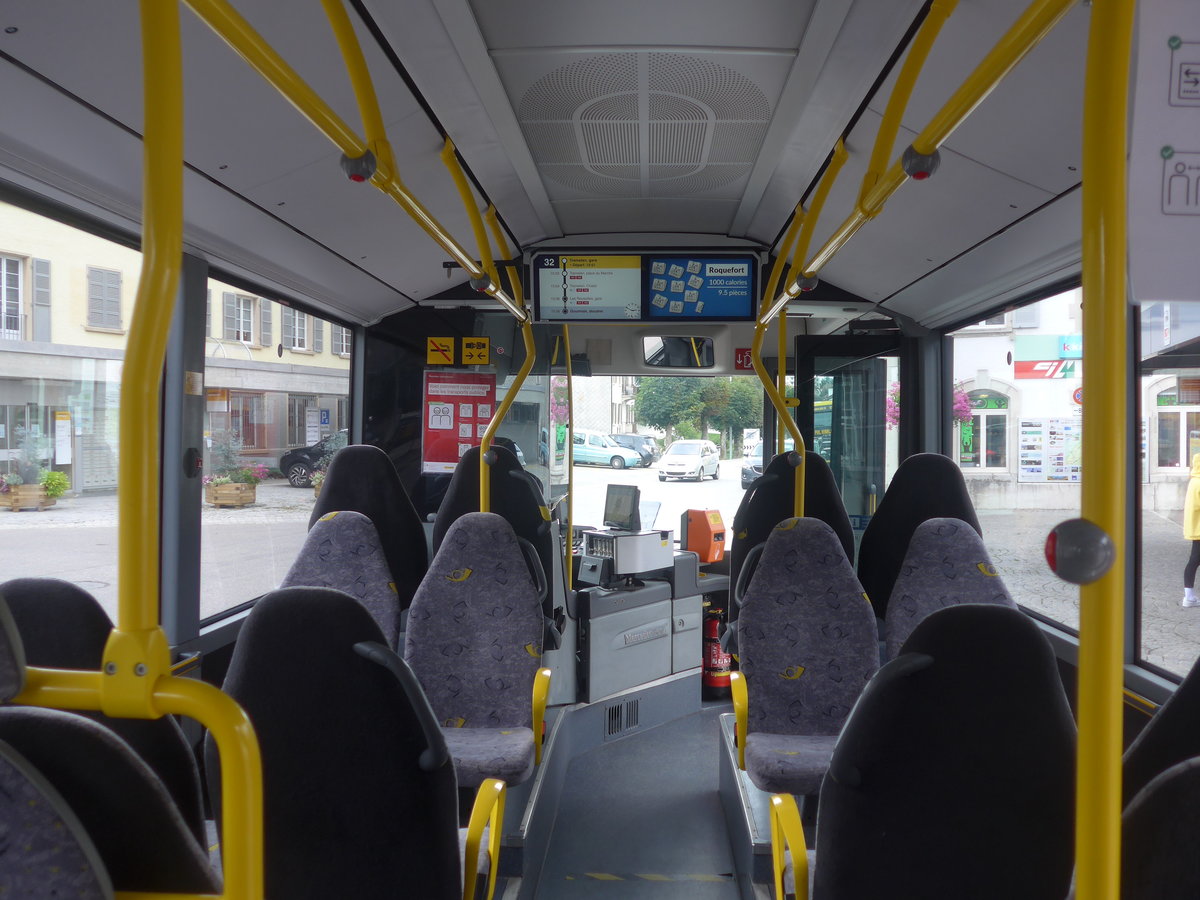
[714, 678]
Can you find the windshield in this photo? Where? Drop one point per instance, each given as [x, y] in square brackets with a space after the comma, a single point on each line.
[684, 450]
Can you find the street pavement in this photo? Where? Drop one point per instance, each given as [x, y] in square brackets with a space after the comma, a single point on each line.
[246, 552]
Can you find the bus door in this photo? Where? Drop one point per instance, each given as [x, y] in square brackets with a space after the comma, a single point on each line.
[848, 412]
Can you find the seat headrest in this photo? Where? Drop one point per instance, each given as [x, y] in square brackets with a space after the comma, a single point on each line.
[12, 655]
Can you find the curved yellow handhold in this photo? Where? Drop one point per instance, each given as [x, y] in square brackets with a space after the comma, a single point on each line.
[987, 569]
[533, 650]
[741, 714]
[328, 516]
[392, 587]
[791, 673]
[541, 692]
[459, 575]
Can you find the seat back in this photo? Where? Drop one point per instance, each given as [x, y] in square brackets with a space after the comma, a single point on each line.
[475, 627]
[117, 799]
[514, 496]
[348, 809]
[39, 607]
[1158, 837]
[47, 852]
[808, 640]
[1169, 738]
[954, 764]
[946, 563]
[925, 486]
[362, 479]
[342, 551]
[769, 500]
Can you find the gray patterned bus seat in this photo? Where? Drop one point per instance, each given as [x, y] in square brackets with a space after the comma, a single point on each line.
[342, 551]
[946, 563]
[808, 645]
[474, 640]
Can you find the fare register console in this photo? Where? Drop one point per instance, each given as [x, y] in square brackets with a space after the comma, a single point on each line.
[640, 602]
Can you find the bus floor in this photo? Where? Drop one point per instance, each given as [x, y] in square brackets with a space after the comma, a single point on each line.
[641, 817]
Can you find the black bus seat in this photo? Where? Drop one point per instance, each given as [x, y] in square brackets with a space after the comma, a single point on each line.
[143, 842]
[40, 607]
[925, 486]
[946, 563]
[770, 500]
[474, 640]
[362, 479]
[1171, 736]
[954, 776]
[1158, 836]
[359, 793]
[342, 551]
[517, 497]
[808, 646]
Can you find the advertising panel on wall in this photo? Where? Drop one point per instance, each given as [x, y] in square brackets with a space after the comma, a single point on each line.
[1049, 450]
[458, 408]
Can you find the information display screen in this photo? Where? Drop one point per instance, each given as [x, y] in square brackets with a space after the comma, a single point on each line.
[623, 287]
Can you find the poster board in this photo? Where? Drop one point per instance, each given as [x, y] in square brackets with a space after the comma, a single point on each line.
[458, 406]
[1049, 451]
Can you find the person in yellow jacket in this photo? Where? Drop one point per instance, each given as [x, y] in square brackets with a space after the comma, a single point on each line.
[1191, 532]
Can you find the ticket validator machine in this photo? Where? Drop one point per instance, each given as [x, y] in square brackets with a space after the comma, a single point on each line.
[640, 602]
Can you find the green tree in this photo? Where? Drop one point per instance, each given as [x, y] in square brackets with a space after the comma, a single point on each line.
[667, 403]
[744, 409]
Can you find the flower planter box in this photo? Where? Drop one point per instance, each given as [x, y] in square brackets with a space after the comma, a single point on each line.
[232, 495]
[26, 496]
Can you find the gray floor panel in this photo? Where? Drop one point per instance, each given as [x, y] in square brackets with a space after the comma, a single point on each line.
[640, 817]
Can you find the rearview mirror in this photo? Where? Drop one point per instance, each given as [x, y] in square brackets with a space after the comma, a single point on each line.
[682, 352]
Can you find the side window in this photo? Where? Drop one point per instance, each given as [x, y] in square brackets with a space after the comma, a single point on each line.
[577, 439]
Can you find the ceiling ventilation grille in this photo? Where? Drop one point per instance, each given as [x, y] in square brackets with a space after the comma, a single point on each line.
[642, 124]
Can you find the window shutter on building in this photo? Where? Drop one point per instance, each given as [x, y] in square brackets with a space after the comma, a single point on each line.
[264, 319]
[41, 300]
[318, 335]
[104, 298]
[229, 316]
[289, 327]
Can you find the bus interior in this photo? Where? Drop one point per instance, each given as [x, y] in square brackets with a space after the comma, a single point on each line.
[413, 255]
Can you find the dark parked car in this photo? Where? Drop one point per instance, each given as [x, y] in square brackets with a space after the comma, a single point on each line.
[643, 444]
[752, 464]
[299, 464]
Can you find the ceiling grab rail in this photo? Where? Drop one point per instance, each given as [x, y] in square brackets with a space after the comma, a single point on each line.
[1105, 342]
[450, 159]
[1023, 36]
[766, 315]
[232, 28]
[135, 680]
[786, 249]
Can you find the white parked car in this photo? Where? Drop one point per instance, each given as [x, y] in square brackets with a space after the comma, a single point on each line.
[690, 459]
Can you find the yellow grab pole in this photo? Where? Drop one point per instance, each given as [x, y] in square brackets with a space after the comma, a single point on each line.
[1105, 461]
[509, 396]
[1024, 35]
[162, 258]
[364, 89]
[785, 420]
[450, 160]
[231, 27]
[914, 61]
[241, 777]
[514, 275]
[570, 456]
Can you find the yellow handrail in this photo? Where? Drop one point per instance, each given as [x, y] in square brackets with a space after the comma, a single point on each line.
[914, 60]
[570, 458]
[231, 27]
[764, 320]
[1105, 462]
[135, 680]
[450, 160]
[1023, 36]
[514, 276]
